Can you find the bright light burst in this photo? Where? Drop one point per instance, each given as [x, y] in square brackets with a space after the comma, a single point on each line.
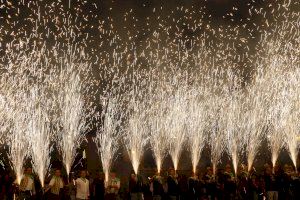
[73, 115]
[197, 123]
[232, 121]
[237, 117]
[107, 138]
[158, 129]
[136, 135]
[17, 140]
[176, 119]
[39, 132]
[254, 122]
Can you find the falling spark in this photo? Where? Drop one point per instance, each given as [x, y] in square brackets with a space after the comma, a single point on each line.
[18, 144]
[158, 128]
[73, 118]
[39, 133]
[107, 139]
[136, 134]
[254, 122]
[197, 123]
[176, 124]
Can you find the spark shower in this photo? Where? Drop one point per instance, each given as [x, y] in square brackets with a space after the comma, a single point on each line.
[64, 75]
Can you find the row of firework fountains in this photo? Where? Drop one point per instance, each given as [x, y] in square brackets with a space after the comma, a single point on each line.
[41, 102]
[168, 94]
[171, 112]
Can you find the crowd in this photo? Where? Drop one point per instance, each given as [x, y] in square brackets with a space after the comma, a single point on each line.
[272, 184]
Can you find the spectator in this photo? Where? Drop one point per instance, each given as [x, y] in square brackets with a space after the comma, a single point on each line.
[270, 184]
[56, 186]
[82, 187]
[27, 185]
[99, 186]
[172, 185]
[135, 187]
[113, 187]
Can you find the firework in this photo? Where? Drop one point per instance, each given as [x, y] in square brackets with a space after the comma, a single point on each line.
[18, 142]
[107, 139]
[39, 133]
[158, 129]
[253, 123]
[234, 137]
[75, 116]
[136, 135]
[216, 138]
[234, 120]
[72, 115]
[291, 134]
[197, 123]
[176, 119]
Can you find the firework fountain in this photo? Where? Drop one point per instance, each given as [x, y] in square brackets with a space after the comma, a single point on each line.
[18, 141]
[73, 114]
[234, 137]
[235, 117]
[39, 132]
[136, 135]
[216, 138]
[158, 129]
[18, 150]
[291, 137]
[292, 134]
[254, 123]
[107, 139]
[22, 76]
[176, 119]
[279, 102]
[197, 123]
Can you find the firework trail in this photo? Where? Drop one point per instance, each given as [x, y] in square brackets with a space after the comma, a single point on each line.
[17, 140]
[176, 119]
[107, 139]
[158, 128]
[73, 115]
[39, 132]
[136, 135]
[197, 123]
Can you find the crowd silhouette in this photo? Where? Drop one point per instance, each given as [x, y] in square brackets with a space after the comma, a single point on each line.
[280, 182]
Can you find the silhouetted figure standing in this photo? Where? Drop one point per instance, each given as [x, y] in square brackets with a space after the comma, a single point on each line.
[135, 187]
[172, 185]
[99, 186]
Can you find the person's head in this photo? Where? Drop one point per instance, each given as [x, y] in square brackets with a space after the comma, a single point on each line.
[171, 172]
[82, 174]
[291, 168]
[57, 172]
[28, 171]
[228, 168]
